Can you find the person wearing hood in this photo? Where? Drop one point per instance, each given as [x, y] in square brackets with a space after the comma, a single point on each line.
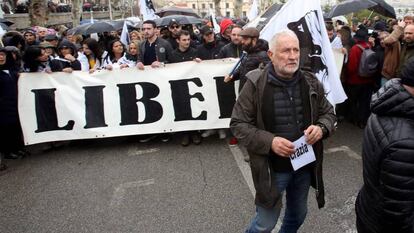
[256, 50]
[11, 140]
[225, 31]
[67, 58]
[211, 46]
[13, 38]
[30, 38]
[385, 202]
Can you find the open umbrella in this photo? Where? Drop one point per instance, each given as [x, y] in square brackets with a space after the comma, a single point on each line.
[350, 6]
[97, 27]
[6, 22]
[4, 26]
[172, 10]
[181, 19]
[384, 9]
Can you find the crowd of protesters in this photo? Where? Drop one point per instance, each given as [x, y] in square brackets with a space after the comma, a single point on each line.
[374, 52]
[44, 50]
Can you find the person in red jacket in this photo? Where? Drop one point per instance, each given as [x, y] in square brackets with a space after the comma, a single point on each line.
[359, 88]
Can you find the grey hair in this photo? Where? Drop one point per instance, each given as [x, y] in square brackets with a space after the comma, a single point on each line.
[284, 32]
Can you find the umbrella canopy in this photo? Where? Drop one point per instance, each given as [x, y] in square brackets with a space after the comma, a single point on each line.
[172, 10]
[97, 27]
[6, 22]
[384, 9]
[4, 26]
[350, 6]
[86, 21]
[181, 19]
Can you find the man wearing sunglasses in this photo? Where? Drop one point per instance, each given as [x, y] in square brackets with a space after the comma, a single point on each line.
[174, 29]
[210, 48]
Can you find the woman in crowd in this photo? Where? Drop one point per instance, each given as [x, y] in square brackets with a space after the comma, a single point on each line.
[132, 54]
[95, 54]
[116, 56]
[36, 59]
[135, 35]
[11, 140]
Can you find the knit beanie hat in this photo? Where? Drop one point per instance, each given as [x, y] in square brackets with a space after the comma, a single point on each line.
[224, 24]
[407, 73]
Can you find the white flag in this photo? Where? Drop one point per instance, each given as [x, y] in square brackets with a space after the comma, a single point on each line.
[305, 18]
[216, 26]
[147, 10]
[125, 34]
[254, 11]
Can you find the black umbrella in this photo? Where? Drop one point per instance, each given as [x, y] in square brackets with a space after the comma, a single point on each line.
[350, 6]
[181, 19]
[4, 26]
[172, 10]
[384, 9]
[90, 28]
[6, 22]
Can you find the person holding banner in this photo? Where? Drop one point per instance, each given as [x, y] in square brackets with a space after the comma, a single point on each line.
[281, 117]
[184, 52]
[153, 50]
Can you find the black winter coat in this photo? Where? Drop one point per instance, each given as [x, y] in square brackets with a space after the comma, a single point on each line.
[385, 204]
[230, 50]
[178, 56]
[254, 58]
[8, 97]
[209, 51]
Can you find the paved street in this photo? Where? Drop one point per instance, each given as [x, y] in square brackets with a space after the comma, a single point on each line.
[120, 185]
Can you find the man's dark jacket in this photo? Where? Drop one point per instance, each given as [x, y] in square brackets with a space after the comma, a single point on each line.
[255, 57]
[247, 125]
[385, 203]
[163, 50]
[179, 56]
[231, 50]
[209, 51]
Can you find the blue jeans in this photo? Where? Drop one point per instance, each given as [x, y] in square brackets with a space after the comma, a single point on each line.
[297, 186]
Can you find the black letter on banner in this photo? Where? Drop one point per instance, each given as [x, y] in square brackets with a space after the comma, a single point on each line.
[182, 99]
[46, 111]
[128, 101]
[226, 97]
[94, 107]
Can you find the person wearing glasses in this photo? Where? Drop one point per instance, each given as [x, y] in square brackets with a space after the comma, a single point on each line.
[174, 29]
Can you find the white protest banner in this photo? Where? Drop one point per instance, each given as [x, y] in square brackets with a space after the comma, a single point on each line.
[305, 18]
[303, 155]
[177, 97]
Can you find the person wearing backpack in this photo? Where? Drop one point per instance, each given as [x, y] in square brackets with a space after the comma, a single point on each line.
[361, 77]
